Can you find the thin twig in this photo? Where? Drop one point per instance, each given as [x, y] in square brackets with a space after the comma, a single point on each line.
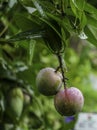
[62, 69]
[57, 69]
[3, 31]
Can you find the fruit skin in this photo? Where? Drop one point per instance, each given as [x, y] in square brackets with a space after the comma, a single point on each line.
[27, 99]
[69, 101]
[14, 103]
[48, 81]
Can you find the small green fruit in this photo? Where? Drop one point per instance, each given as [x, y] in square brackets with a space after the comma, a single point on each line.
[68, 102]
[48, 81]
[14, 104]
[27, 99]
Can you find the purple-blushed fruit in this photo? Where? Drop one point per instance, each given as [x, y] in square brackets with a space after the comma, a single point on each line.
[48, 81]
[69, 101]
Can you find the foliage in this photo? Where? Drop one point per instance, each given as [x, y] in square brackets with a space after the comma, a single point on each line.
[32, 34]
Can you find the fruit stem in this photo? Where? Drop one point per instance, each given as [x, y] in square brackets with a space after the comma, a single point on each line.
[62, 68]
[57, 69]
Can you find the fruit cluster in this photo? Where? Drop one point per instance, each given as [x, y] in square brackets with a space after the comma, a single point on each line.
[67, 102]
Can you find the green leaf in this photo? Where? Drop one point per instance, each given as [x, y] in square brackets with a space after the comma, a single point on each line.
[39, 8]
[91, 9]
[93, 30]
[74, 9]
[6, 73]
[2, 41]
[83, 21]
[52, 35]
[47, 6]
[77, 7]
[65, 24]
[53, 41]
[26, 2]
[31, 50]
[91, 37]
[24, 23]
[31, 34]
[48, 23]
[92, 21]
[80, 5]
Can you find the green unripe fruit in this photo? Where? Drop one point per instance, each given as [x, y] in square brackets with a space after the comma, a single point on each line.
[14, 104]
[27, 99]
[68, 102]
[48, 81]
